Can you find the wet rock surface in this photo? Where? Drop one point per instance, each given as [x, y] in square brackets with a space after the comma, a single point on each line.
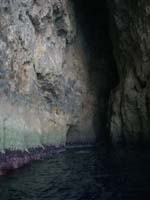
[12, 160]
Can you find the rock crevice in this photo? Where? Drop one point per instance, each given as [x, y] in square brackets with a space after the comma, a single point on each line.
[66, 79]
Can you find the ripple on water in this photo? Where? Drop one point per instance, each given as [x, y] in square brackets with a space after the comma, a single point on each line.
[82, 174]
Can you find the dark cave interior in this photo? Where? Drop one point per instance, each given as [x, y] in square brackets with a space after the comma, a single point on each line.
[93, 22]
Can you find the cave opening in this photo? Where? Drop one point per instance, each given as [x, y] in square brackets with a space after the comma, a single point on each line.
[93, 24]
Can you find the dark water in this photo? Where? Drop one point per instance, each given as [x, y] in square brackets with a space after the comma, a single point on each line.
[82, 174]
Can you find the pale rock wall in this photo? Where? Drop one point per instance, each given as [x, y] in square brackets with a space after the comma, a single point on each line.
[44, 89]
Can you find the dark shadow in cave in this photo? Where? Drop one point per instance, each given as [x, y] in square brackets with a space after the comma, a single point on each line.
[93, 22]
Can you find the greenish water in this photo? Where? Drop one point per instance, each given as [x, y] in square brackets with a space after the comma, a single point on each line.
[83, 174]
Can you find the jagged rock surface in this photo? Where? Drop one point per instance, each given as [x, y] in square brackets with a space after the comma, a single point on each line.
[130, 101]
[45, 98]
[54, 88]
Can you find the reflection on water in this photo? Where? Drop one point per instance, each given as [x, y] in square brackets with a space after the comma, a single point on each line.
[83, 174]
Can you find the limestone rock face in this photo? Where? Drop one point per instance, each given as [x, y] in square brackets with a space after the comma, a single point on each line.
[130, 101]
[45, 97]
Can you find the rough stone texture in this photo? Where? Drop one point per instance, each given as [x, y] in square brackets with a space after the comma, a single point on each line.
[130, 101]
[92, 19]
[45, 98]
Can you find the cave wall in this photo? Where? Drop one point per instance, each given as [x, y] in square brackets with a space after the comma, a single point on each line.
[130, 101]
[57, 71]
[45, 97]
[93, 26]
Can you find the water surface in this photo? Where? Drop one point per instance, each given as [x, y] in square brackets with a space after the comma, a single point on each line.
[81, 174]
